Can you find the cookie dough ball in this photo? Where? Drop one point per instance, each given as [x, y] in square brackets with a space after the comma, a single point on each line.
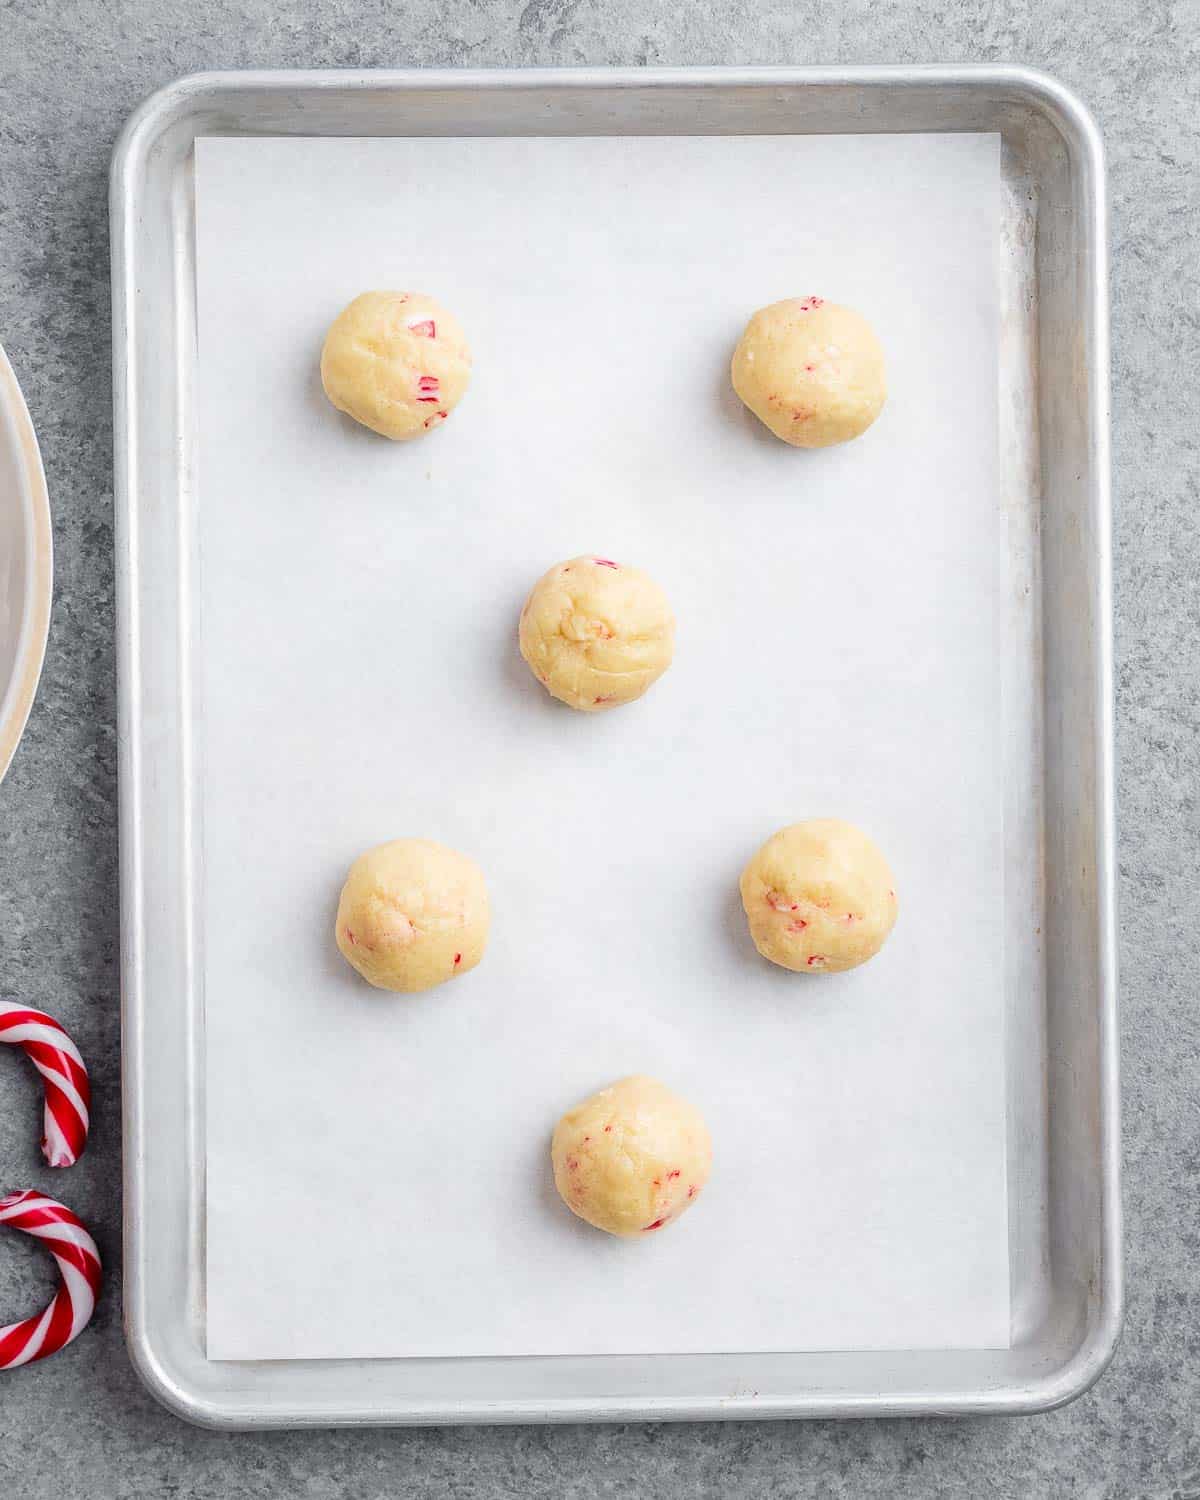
[412, 914]
[631, 1158]
[819, 897]
[397, 362]
[596, 633]
[811, 370]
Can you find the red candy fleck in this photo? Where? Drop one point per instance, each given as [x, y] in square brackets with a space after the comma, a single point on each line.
[428, 386]
[802, 415]
[350, 938]
[603, 562]
[658, 1224]
[810, 368]
[675, 1173]
[850, 917]
[607, 1128]
[776, 902]
[425, 329]
[657, 1182]
[817, 958]
[798, 925]
[809, 303]
[573, 1165]
[692, 1191]
[604, 698]
[458, 958]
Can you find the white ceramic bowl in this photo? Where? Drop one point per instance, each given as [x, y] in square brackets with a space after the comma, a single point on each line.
[26, 566]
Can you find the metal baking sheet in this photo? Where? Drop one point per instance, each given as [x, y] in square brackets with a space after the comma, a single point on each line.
[1063, 1224]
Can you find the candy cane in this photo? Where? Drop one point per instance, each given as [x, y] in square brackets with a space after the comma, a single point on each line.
[78, 1260]
[57, 1059]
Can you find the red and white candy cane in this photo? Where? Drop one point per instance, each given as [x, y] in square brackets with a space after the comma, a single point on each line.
[57, 1059]
[78, 1260]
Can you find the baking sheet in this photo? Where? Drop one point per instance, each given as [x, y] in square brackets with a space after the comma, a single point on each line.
[377, 1180]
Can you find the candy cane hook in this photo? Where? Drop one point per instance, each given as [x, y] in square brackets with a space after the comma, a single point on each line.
[78, 1261]
[57, 1059]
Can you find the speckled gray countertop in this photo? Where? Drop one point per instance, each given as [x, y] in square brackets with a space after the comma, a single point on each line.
[70, 72]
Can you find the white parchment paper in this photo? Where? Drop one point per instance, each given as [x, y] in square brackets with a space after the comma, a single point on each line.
[378, 1179]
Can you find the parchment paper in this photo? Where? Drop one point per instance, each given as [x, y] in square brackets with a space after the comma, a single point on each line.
[377, 1169]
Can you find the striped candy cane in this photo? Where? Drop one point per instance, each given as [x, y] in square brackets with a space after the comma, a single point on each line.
[57, 1059]
[78, 1261]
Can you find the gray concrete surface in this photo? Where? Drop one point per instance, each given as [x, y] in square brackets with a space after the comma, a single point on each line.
[70, 72]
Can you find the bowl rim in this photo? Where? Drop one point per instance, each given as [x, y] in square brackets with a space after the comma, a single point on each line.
[34, 501]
